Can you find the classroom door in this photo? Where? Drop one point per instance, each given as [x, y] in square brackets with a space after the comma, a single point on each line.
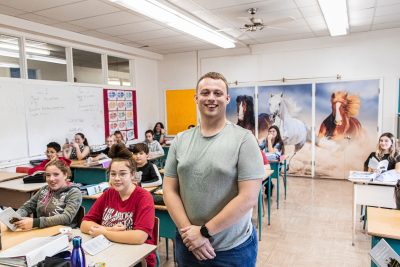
[290, 108]
[346, 126]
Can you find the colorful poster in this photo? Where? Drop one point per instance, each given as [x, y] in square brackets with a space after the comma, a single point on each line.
[290, 108]
[240, 109]
[120, 112]
[346, 117]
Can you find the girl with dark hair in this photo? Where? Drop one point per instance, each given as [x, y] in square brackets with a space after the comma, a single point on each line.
[57, 203]
[125, 212]
[385, 150]
[77, 150]
[159, 133]
[273, 146]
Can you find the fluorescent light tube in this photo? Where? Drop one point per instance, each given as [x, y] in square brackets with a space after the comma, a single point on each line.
[9, 54]
[172, 18]
[335, 14]
[8, 65]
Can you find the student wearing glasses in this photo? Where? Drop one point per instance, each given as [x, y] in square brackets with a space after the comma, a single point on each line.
[52, 153]
[125, 212]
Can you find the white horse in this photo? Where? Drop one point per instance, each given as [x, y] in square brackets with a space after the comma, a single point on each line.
[293, 131]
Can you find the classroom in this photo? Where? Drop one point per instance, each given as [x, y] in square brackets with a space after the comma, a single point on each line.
[105, 93]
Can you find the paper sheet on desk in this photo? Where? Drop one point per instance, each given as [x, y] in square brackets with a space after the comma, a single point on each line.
[389, 176]
[383, 255]
[362, 175]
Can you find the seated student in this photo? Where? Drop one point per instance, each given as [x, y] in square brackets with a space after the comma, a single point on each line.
[77, 150]
[119, 138]
[57, 203]
[273, 146]
[386, 149]
[125, 212]
[103, 154]
[150, 174]
[159, 133]
[119, 150]
[155, 149]
[52, 151]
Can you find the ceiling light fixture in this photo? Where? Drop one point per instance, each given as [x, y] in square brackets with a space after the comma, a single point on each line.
[335, 14]
[177, 20]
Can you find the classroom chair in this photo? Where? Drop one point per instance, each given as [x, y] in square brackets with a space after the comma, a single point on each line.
[79, 216]
[22, 169]
[156, 233]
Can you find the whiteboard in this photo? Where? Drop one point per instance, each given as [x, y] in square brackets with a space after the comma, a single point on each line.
[13, 139]
[34, 113]
[55, 112]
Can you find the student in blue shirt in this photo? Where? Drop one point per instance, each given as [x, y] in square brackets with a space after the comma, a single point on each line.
[273, 146]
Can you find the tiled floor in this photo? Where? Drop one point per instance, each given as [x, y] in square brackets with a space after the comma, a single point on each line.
[311, 228]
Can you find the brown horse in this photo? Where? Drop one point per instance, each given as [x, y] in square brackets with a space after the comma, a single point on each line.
[341, 122]
[245, 111]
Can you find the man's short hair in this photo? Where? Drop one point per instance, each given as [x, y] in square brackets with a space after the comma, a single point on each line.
[56, 146]
[149, 131]
[214, 76]
[139, 148]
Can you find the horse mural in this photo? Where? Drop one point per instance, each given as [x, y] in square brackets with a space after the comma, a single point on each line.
[341, 123]
[245, 110]
[293, 131]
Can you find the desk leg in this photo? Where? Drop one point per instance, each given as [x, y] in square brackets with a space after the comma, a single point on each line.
[354, 214]
[269, 200]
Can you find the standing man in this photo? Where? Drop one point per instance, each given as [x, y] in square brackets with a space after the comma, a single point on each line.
[212, 180]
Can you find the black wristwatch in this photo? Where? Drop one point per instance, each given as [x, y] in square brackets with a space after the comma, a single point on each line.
[204, 231]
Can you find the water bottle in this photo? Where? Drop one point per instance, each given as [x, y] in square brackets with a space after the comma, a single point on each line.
[77, 255]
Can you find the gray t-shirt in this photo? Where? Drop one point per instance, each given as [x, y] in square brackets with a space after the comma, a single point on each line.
[208, 169]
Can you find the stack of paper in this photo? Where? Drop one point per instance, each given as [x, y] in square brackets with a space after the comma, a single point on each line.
[383, 255]
[34, 250]
[389, 176]
[362, 175]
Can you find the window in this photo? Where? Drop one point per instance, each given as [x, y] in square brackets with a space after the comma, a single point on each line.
[118, 71]
[9, 56]
[87, 67]
[47, 60]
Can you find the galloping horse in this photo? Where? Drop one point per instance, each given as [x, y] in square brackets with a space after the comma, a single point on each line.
[245, 110]
[341, 122]
[293, 131]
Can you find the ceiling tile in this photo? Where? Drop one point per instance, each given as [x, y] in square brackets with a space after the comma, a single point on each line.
[35, 5]
[80, 10]
[70, 27]
[311, 11]
[5, 10]
[304, 3]
[386, 19]
[107, 20]
[316, 20]
[386, 26]
[212, 4]
[322, 33]
[36, 18]
[360, 4]
[150, 34]
[387, 2]
[131, 28]
[95, 34]
[362, 28]
[358, 14]
[388, 10]
[361, 22]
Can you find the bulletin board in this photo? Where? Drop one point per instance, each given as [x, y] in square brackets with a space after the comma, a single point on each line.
[120, 112]
[180, 110]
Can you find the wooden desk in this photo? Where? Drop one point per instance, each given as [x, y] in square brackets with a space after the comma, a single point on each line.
[376, 194]
[5, 176]
[118, 254]
[14, 193]
[384, 223]
[10, 238]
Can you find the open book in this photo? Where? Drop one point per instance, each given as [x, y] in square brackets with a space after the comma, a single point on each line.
[34, 250]
[381, 166]
[8, 216]
[383, 255]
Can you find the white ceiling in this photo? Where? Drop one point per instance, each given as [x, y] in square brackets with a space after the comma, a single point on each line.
[107, 20]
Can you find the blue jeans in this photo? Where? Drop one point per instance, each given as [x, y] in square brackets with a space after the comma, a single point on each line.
[244, 255]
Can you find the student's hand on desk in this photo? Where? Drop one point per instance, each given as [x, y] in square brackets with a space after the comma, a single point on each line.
[206, 251]
[25, 224]
[97, 230]
[118, 227]
[192, 237]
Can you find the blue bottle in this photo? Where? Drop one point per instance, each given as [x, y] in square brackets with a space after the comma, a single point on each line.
[77, 255]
